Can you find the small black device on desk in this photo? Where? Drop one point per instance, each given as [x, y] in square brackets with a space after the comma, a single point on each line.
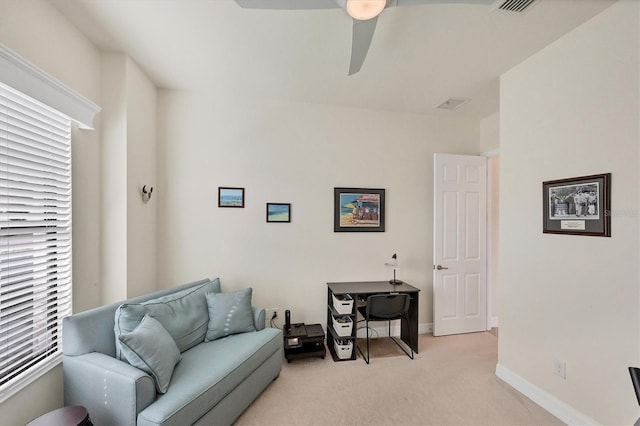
[302, 341]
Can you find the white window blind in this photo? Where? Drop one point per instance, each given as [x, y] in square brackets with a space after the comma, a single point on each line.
[35, 237]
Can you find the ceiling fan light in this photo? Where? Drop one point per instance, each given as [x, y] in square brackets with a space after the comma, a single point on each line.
[365, 9]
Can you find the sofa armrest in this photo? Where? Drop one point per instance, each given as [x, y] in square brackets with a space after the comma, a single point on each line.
[258, 318]
[112, 391]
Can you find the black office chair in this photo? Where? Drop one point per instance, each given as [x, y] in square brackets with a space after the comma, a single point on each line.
[386, 307]
[635, 379]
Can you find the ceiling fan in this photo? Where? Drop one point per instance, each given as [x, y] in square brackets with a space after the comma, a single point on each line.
[364, 13]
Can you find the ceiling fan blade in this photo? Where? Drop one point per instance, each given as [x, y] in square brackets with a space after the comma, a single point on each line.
[360, 42]
[288, 4]
[419, 2]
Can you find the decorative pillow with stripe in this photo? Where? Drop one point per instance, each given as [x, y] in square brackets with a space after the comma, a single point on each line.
[229, 313]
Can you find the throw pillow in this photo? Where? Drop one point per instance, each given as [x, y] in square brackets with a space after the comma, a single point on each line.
[151, 348]
[183, 314]
[229, 313]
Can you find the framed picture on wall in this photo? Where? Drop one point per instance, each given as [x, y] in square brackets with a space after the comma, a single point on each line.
[358, 210]
[230, 197]
[577, 206]
[279, 212]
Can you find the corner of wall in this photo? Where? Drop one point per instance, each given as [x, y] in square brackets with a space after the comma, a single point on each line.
[553, 405]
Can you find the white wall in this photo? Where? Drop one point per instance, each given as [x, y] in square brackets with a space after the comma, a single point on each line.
[129, 162]
[572, 110]
[141, 170]
[37, 32]
[490, 133]
[114, 171]
[490, 146]
[295, 153]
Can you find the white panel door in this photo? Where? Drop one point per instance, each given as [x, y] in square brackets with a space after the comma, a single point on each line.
[459, 252]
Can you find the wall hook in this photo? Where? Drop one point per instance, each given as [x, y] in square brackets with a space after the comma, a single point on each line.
[146, 195]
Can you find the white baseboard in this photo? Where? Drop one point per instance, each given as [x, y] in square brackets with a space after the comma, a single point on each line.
[493, 322]
[426, 328]
[561, 410]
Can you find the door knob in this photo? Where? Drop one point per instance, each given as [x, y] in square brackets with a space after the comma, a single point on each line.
[440, 267]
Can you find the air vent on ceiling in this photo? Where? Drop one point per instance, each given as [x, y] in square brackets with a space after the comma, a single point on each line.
[453, 103]
[516, 5]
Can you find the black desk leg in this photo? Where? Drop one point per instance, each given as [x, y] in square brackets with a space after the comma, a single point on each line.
[409, 330]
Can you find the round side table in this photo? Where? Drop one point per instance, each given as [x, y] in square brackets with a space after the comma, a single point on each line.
[66, 416]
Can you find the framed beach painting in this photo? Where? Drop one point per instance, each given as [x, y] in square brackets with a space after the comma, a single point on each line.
[230, 197]
[577, 206]
[358, 210]
[279, 212]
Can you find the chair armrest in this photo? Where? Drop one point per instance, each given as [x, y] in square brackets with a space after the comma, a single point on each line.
[112, 391]
[258, 318]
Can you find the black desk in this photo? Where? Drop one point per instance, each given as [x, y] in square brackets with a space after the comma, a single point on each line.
[359, 291]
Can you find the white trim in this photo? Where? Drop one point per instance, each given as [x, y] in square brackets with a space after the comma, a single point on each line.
[17, 72]
[491, 153]
[493, 322]
[489, 238]
[26, 379]
[426, 328]
[544, 399]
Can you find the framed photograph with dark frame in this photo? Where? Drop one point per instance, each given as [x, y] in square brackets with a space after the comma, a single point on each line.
[278, 212]
[230, 197]
[358, 210]
[577, 206]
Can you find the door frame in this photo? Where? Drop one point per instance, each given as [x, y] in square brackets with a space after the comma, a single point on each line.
[461, 323]
[492, 321]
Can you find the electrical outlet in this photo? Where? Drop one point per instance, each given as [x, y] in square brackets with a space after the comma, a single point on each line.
[560, 368]
[272, 313]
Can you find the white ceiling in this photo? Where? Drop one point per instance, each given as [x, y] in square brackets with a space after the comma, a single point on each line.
[419, 56]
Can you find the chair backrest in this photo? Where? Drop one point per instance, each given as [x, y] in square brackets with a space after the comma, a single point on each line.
[388, 306]
[635, 379]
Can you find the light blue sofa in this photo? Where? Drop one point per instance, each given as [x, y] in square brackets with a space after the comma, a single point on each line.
[212, 384]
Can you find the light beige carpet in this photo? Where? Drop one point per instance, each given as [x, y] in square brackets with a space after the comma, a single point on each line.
[383, 347]
[450, 382]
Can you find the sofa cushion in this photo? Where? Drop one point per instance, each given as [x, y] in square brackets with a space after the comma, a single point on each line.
[208, 373]
[229, 313]
[151, 348]
[183, 314]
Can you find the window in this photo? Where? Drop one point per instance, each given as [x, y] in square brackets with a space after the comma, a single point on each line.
[35, 237]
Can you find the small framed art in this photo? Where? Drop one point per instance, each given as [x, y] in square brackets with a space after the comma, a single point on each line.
[577, 206]
[279, 212]
[230, 197]
[358, 210]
